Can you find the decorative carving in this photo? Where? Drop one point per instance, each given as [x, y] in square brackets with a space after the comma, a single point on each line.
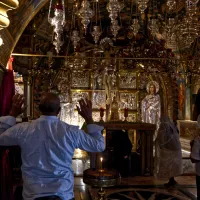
[99, 99]
[128, 100]
[127, 80]
[81, 79]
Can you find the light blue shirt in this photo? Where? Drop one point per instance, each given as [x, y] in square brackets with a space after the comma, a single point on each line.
[47, 147]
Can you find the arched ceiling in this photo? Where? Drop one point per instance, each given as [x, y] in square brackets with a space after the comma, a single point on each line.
[28, 9]
[19, 19]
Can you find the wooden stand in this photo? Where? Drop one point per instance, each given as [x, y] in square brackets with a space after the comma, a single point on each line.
[144, 144]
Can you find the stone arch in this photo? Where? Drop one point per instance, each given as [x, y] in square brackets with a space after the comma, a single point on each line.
[19, 19]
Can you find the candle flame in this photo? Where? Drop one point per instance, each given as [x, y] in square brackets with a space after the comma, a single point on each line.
[101, 159]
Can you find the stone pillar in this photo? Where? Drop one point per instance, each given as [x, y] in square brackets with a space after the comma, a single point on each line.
[188, 100]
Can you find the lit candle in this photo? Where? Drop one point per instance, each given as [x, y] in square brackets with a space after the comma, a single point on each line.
[101, 159]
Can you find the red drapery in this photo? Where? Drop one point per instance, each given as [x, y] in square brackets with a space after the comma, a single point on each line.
[7, 90]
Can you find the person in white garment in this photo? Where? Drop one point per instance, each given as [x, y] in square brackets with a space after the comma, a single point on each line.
[168, 155]
[47, 147]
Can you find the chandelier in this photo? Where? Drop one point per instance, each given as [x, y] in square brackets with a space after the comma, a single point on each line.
[58, 23]
[188, 29]
[96, 29]
[85, 22]
[114, 7]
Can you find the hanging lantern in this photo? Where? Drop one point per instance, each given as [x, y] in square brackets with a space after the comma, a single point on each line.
[114, 7]
[58, 23]
[115, 28]
[85, 13]
[96, 33]
[135, 26]
[75, 38]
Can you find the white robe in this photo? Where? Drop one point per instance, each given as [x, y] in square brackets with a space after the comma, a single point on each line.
[168, 155]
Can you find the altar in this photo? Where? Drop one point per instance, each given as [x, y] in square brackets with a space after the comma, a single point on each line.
[141, 136]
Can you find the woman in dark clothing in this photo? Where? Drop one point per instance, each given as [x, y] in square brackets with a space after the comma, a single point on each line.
[122, 150]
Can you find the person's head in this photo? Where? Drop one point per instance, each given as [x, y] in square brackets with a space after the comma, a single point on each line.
[152, 89]
[49, 104]
[164, 119]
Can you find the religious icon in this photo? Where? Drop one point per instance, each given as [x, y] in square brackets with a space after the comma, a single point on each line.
[151, 107]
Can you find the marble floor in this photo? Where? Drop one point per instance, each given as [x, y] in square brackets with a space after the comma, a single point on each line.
[185, 190]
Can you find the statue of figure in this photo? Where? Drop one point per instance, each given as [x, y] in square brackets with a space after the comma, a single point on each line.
[108, 65]
[151, 107]
[114, 110]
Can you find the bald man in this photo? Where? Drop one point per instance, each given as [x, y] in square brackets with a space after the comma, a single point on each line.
[47, 147]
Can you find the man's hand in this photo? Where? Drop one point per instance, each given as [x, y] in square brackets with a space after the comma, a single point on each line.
[85, 110]
[17, 102]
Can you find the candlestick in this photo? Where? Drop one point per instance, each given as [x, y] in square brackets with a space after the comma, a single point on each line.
[101, 160]
[125, 113]
[101, 114]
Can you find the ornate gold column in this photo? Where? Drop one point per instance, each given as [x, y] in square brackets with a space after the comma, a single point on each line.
[5, 6]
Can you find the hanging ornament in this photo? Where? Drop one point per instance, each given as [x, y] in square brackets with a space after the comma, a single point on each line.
[114, 7]
[96, 33]
[85, 13]
[58, 23]
[115, 28]
[135, 26]
[75, 38]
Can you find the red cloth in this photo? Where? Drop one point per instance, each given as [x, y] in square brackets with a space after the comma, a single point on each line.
[7, 90]
[6, 192]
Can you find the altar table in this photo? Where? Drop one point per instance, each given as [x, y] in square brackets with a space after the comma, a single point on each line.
[144, 137]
